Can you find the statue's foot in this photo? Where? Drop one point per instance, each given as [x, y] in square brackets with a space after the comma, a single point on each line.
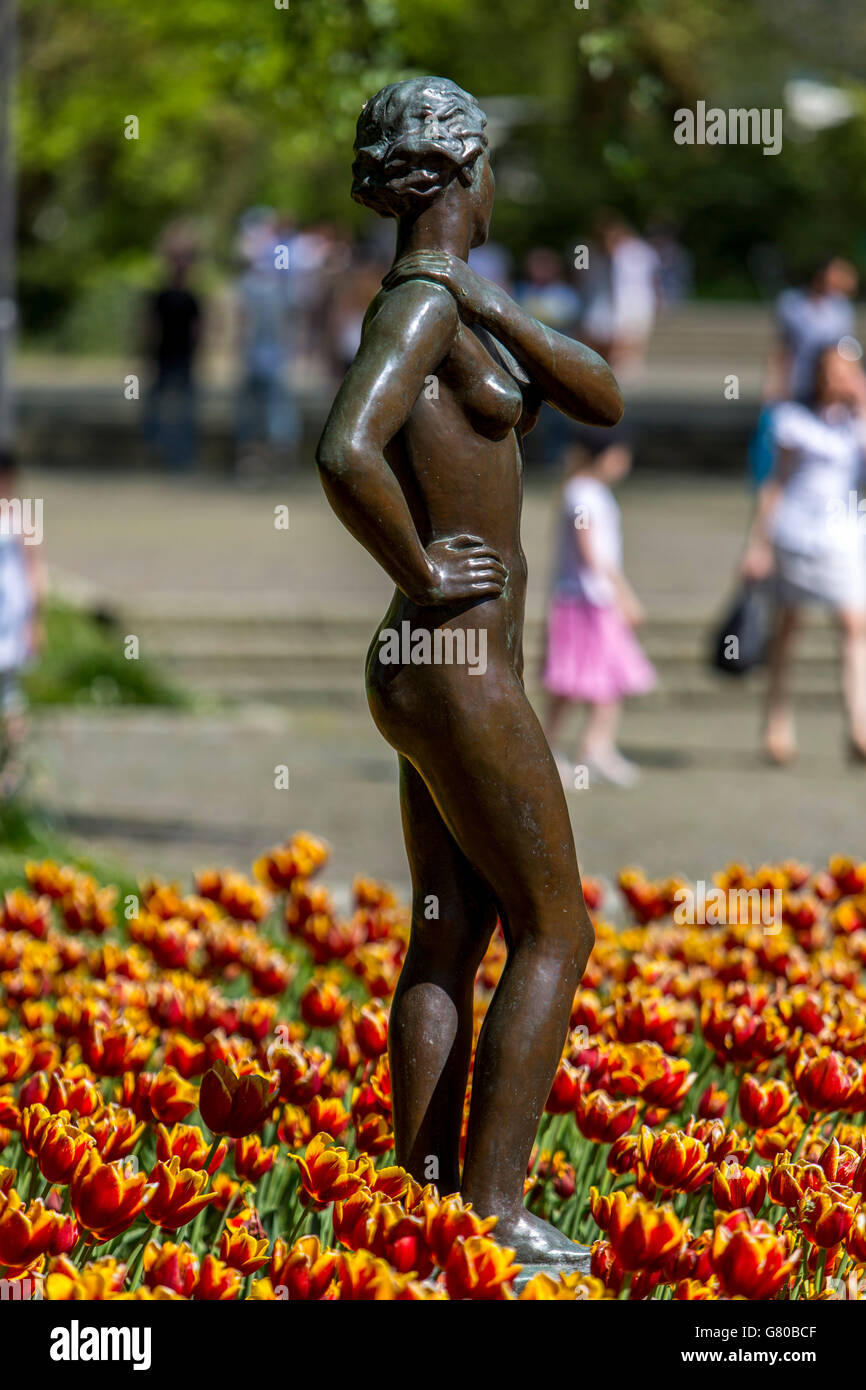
[536, 1242]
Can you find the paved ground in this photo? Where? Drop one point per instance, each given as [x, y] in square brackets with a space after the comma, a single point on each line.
[143, 542]
[169, 791]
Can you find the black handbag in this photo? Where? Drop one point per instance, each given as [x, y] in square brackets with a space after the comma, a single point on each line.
[742, 639]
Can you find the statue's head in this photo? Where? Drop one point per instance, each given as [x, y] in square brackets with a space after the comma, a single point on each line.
[414, 139]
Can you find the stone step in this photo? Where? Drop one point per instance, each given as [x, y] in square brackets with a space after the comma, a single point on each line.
[288, 683]
[337, 644]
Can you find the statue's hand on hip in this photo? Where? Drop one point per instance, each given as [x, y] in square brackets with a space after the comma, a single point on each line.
[462, 568]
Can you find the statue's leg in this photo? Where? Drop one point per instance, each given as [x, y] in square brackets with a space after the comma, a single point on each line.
[430, 1032]
[499, 792]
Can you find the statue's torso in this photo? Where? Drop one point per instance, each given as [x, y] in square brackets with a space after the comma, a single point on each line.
[460, 464]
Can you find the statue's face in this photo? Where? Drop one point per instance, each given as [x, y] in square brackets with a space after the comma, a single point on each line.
[483, 186]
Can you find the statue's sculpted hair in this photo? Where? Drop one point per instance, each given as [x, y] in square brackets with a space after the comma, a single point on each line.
[412, 139]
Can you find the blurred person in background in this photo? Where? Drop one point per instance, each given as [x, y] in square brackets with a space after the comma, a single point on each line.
[808, 320]
[675, 276]
[356, 284]
[592, 656]
[318, 252]
[492, 261]
[20, 597]
[268, 422]
[808, 534]
[173, 320]
[545, 293]
[547, 296]
[624, 296]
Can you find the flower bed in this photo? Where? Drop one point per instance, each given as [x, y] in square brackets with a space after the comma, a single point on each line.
[195, 1097]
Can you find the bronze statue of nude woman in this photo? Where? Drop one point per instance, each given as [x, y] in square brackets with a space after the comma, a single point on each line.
[430, 482]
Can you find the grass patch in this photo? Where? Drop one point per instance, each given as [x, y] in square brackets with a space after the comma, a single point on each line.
[26, 833]
[81, 662]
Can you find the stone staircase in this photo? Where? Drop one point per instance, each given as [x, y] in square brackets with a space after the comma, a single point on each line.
[307, 659]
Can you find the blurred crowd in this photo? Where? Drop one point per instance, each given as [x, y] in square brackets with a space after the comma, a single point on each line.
[296, 309]
[299, 296]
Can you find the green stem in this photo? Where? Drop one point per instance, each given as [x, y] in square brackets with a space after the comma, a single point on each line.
[296, 1229]
[801, 1141]
[230, 1206]
[135, 1264]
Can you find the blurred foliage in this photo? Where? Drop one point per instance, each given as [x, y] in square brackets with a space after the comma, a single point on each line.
[246, 103]
[81, 661]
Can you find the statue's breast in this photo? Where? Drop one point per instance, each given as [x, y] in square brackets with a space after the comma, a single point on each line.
[490, 396]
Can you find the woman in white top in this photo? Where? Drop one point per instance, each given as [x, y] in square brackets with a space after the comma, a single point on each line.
[810, 533]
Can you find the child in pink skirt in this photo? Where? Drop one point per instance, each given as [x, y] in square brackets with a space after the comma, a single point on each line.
[593, 656]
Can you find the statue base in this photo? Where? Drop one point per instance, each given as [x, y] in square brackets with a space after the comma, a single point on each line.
[553, 1268]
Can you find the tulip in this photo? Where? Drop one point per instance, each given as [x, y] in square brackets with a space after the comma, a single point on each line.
[61, 1148]
[601, 1119]
[657, 1020]
[361, 1277]
[641, 1235]
[179, 1195]
[623, 1155]
[674, 1160]
[448, 1220]
[605, 1267]
[601, 1208]
[840, 1165]
[327, 1117]
[713, 1104]
[26, 1232]
[243, 1251]
[327, 1174]
[717, 1139]
[22, 912]
[568, 1288]
[251, 1160]
[234, 1105]
[825, 1081]
[32, 1125]
[763, 1103]
[565, 1181]
[108, 1197]
[856, 1238]
[742, 1034]
[322, 1005]
[170, 1266]
[371, 1030]
[163, 1096]
[692, 1260]
[736, 1188]
[750, 1259]
[565, 1090]
[279, 869]
[15, 1058]
[217, 1282]
[74, 1089]
[478, 1268]
[825, 1217]
[186, 1056]
[187, 1143]
[694, 1291]
[110, 1050]
[116, 1132]
[356, 1220]
[97, 1281]
[303, 1270]
[373, 1134]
